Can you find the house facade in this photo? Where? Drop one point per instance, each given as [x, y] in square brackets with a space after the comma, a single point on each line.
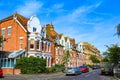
[26, 37]
[23, 37]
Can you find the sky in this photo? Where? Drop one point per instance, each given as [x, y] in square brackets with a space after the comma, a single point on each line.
[92, 21]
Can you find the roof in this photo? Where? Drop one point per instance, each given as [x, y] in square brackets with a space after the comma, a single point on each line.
[66, 38]
[60, 35]
[51, 32]
[23, 20]
[16, 54]
[72, 41]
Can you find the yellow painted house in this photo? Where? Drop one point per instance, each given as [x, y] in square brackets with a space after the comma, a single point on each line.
[89, 50]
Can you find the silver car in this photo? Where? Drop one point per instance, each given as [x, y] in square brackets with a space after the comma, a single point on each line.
[73, 71]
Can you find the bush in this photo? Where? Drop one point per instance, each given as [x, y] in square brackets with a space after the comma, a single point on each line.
[59, 67]
[31, 65]
[55, 68]
[50, 70]
[90, 66]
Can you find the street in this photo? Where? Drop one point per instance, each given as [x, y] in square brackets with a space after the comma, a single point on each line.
[92, 75]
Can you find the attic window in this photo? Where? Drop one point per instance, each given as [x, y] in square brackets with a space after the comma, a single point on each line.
[34, 29]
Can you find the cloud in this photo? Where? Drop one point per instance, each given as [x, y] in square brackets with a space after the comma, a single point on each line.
[78, 15]
[54, 9]
[29, 8]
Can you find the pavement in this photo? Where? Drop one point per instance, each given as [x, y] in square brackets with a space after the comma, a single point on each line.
[43, 76]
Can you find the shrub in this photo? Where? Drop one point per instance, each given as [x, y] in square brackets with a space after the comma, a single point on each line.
[59, 67]
[90, 66]
[50, 70]
[31, 65]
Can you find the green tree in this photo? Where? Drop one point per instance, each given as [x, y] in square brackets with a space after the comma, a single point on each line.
[66, 58]
[31, 65]
[118, 30]
[112, 53]
[94, 59]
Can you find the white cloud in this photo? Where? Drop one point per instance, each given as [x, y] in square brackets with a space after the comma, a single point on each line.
[78, 15]
[29, 8]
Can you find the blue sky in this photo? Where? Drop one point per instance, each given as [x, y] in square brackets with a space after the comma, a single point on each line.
[92, 21]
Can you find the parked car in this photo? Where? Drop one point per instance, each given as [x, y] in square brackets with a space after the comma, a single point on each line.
[107, 68]
[73, 71]
[84, 69]
[116, 70]
[96, 67]
[1, 73]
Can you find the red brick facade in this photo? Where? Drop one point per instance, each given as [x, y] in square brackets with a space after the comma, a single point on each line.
[12, 42]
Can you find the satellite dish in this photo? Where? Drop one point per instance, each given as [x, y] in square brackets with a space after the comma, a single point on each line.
[34, 24]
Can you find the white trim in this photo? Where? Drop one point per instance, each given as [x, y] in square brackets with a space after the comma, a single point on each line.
[9, 26]
[3, 28]
[19, 24]
[21, 37]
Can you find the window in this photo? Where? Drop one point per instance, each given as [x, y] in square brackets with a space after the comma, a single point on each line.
[3, 31]
[32, 44]
[57, 40]
[62, 42]
[34, 29]
[67, 45]
[38, 44]
[21, 43]
[9, 30]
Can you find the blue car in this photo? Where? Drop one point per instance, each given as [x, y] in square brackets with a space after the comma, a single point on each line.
[73, 71]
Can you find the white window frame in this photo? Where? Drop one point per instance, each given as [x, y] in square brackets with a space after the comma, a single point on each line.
[10, 27]
[21, 43]
[2, 31]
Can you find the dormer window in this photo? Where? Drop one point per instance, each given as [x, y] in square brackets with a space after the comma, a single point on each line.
[34, 29]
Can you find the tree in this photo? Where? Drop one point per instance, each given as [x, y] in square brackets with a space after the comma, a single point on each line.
[66, 58]
[118, 30]
[112, 53]
[94, 59]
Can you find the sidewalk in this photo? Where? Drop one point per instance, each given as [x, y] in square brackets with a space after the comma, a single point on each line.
[33, 76]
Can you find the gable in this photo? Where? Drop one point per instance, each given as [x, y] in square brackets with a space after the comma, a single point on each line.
[34, 24]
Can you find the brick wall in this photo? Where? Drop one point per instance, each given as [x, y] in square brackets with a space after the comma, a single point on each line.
[11, 71]
[12, 41]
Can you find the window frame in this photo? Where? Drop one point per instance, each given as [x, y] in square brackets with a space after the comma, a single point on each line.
[9, 28]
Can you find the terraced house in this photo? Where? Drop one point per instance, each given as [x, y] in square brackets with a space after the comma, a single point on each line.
[23, 37]
[26, 37]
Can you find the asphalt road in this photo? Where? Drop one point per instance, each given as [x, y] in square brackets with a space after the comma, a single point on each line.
[92, 75]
